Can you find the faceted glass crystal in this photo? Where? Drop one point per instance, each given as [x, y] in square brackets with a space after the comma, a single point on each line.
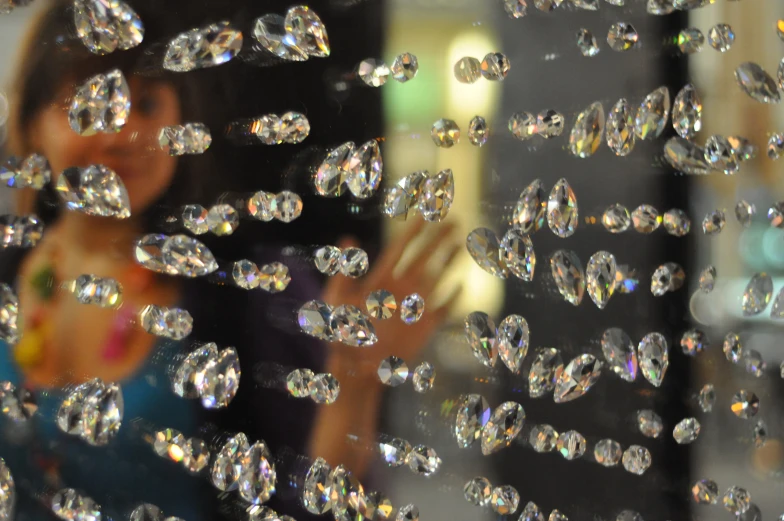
[620, 128]
[424, 376]
[315, 489]
[636, 459]
[353, 262]
[651, 118]
[478, 131]
[694, 342]
[327, 260]
[522, 125]
[649, 423]
[187, 139]
[685, 156]
[411, 308]
[653, 356]
[757, 295]
[756, 83]
[381, 304]
[543, 438]
[620, 353]
[607, 452]
[588, 130]
[736, 500]
[394, 451]
[622, 36]
[690, 40]
[517, 253]
[705, 491]
[392, 371]
[9, 315]
[577, 378]
[468, 70]
[298, 382]
[721, 37]
[600, 277]
[365, 167]
[329, 180]
[686, 431]
[187, 256]
[676, 222]
[274, 277]
[480, 331]
[95, 190]
[571, 445]
[732, 347]
[544, 372]
[531, 512]
[516, 8]
[505, 499]
[495, 66]
[222, 219]
[100, 104]
[308, 31]
[105, 26]
[531, 208]
[512, 341]
[257, 477]
[586, 43]
[271, 33]
[646, 219]
[169, 443]
[314, 318]
[324, 388]
[687, 112]
[194, 219]
[707, 398]
[202, 47]
[472, 415]
[484, 247]
[373, 72]
[568, 275]
[477, 491]
[549, 124]
[259, 206]
[745, 404]
[502, 428]
[667, 277]
[437, 195]
[720, 155]
[562, 211]
[287, 206]
[405, 67]
[775, 146]
[423, 460]
[445, 133]
[191, 374]
[229, 462]
[221, 379]
[245, 274]
[102, 414]
[352, 327]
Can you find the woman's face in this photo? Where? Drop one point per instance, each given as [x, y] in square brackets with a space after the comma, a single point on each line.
[132, 153]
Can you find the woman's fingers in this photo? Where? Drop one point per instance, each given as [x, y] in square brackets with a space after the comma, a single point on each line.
[391, 254]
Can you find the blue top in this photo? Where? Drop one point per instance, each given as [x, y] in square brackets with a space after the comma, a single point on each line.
[119, 475]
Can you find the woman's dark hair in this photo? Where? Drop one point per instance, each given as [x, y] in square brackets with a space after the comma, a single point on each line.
[53, 56]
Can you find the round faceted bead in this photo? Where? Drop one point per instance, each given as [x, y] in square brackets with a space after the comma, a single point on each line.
[445, 133]
[261, 206]
[327, 260]
[294, 127]
[477, 491]
[495, 66]
[392, 371]
[381, 304]
[372, 72]
[194, 219]
[468, 70]
[412, 308]
[298, 382]
[267, 129]
[287, 206]
[424, 376]
[405, 67]
[246, 274]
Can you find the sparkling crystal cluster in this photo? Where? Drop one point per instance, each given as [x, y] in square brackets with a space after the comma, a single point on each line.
[271, 129]
[192, 453]
[503, 499]
[509, 339]
[9, 315]
[69, 505]
[7, 491]
[430, 195]
[493, 67]
[202, 47]
[95, 190]
[100, 104]
[247, 468]
[667, 278]
[106, 26]
[351, 262]
[93, 411]
[357, 168]
[208, 374]
[20, 231]
[321, 388]
[285, 206]
[375, 73]
[176, 255]
[17, 403]
[174, 323]
[296, 37]
[478, 131]
[736, 500]
[346, 324]
[103, 292]
[185, 139]
[548, 123]
[32, 172]
[272, 278]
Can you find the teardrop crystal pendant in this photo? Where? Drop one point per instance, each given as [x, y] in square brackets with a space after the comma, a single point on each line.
[473, 414]
[190, 374]
[568, 274]
[562, 211]
[577, 378]
[504, 425]
[651, 118]
[202, 47]
[187, 256]
[271, 36]
[229, 462]
[365, 168]
[484, 248]
[587, 132]
[101, 104]
[257, 478]
[546, 367]
[315, 489]
[104, 27]
[654, 358]
[756, 83]
[9, 315]
[480, 332]
[437, 196]
[687, 112]
[308, 31]
[531, 208]
[221, 379]
[757, 295]
[511, 341]
[600, 277]
[190, 138]
[620, 353]
[517, 253]
[620, 128]
[95, 190]
[686, 156]
[102, 414]
[330, 178]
